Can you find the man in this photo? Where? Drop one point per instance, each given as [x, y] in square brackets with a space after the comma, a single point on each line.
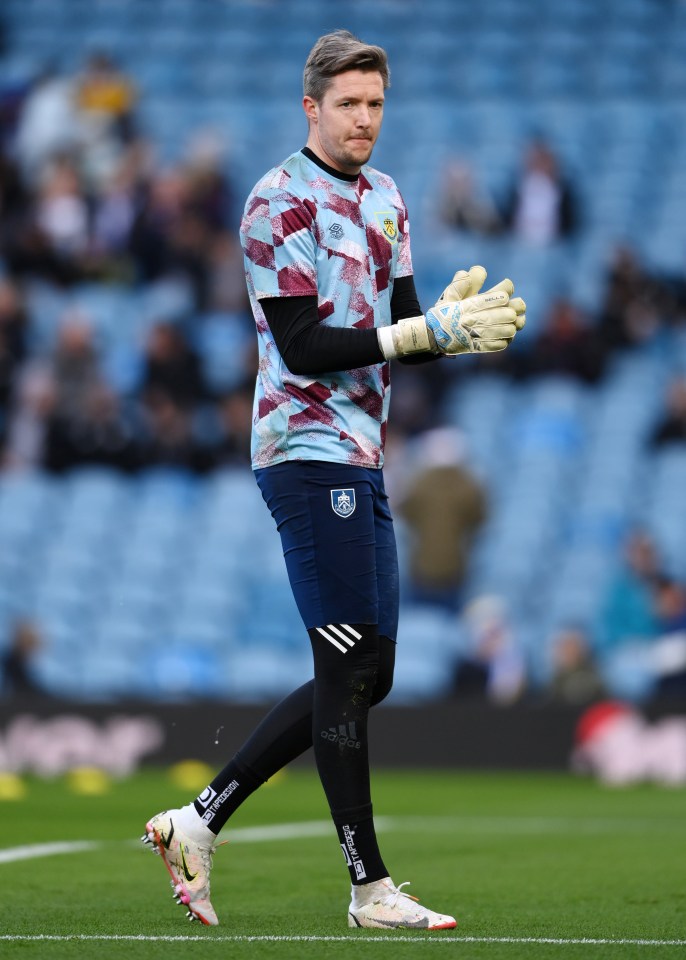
[329, 274]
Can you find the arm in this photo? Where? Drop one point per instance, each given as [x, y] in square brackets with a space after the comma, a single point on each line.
[461, 322]
[278, 240]
[309, 348]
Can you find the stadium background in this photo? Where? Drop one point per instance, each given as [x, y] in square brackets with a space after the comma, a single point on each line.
[167, 585]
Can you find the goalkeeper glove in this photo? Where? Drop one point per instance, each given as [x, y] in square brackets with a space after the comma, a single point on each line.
[476, 324]
[468, 283]
[483, 323]
[463, 320]
[465, 283]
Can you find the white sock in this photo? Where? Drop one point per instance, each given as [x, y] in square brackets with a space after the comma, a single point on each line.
[364, 893]
[188, 819]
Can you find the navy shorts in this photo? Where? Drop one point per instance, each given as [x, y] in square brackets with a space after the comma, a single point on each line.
[338, 541]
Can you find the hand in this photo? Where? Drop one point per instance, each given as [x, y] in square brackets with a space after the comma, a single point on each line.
[484, 323]
[465, 283]
[468, 283]
[463, 320]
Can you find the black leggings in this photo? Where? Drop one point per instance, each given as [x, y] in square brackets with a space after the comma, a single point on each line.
[341, 693]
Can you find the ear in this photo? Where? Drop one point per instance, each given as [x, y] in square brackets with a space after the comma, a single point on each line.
[311, 108]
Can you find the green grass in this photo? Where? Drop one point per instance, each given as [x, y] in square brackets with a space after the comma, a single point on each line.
[513, 856]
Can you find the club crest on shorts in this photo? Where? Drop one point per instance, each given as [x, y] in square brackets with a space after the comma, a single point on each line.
[343, 502]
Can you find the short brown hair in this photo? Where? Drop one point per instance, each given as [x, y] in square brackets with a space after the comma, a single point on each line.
[337, 52]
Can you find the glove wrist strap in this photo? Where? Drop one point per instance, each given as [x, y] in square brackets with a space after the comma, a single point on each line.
[406, 337]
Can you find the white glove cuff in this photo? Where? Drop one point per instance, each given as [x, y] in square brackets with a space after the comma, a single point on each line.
[406, 337]
[387, 342]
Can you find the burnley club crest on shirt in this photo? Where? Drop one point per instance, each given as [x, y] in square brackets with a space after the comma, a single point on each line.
[343, 502]
[387, 222]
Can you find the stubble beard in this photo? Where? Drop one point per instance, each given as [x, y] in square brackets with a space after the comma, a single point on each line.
[354, 159]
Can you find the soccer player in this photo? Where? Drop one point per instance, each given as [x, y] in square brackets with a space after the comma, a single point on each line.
[329, 272]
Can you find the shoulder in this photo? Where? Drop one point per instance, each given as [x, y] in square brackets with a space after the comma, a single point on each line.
[289, 178]
[382, 185]
[281, 188]
[378, 181]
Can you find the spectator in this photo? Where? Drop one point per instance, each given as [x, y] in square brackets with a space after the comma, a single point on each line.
[83, 423]
[115, 209]
[235, 427]
[542, 207]
[492, 666]
[172, 366]
[169, 440]
[210, 191]
[189, 247]
[576, 678]
[158, 218]
[462, 206]
[444, 508]
[632, 310]
[33, 403]
[14, 198]
[13, 92]
[48, 125]
[567, 345]
[669, 649]
[16, 672]
[75, 365]
[628, 613]
[62, 212]
[106, 98]
[170, 237]
[672, 427]
[94, 434]
[30, 255]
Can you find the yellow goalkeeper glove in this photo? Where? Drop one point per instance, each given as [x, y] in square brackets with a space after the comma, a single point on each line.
[463, 320]
[467, 283]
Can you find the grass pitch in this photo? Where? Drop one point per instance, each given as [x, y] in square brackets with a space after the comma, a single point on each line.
[534, 866]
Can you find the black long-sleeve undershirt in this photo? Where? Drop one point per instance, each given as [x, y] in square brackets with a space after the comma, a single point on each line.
[308, 347]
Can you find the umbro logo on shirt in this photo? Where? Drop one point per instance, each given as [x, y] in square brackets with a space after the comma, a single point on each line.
[336, 231]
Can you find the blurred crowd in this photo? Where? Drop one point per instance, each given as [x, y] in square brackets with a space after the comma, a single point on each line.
[640, 633]
[83, 200]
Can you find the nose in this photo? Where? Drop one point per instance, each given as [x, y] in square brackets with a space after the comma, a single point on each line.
[363, 117]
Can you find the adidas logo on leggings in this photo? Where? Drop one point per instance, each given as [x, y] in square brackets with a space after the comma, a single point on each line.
[340, 634]
[345, 736]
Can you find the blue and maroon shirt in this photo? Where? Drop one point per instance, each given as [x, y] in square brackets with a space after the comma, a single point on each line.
[306, 232]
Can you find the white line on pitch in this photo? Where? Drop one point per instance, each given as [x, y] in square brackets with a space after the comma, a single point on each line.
[33, 850]
[389, 938]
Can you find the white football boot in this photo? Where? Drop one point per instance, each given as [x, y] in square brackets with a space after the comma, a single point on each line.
[382, 904]
[187, 859]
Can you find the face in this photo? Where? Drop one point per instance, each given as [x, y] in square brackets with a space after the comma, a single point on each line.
[345, 123]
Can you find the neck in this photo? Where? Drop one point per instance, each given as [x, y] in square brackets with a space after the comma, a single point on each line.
[323, 162]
